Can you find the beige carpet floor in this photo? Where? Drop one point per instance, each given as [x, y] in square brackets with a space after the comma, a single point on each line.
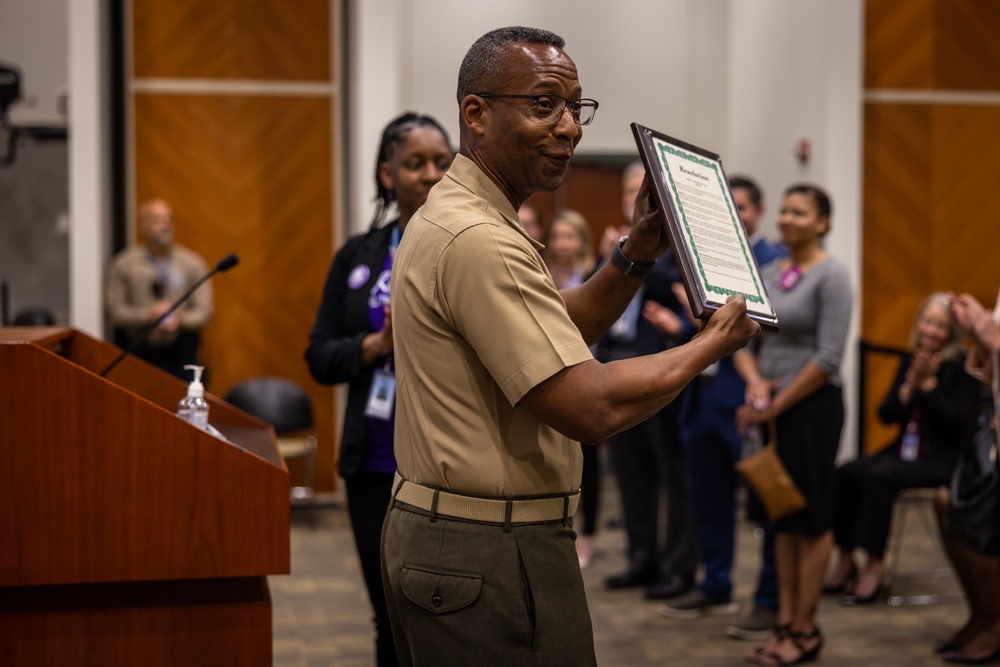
[322, 616]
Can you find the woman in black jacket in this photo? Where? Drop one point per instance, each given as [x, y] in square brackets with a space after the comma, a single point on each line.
[933, 400]
[351, 341]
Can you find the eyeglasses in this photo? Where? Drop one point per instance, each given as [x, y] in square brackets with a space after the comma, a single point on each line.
[551, 107]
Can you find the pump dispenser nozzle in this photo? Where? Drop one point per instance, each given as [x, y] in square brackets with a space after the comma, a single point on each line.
[195, 387]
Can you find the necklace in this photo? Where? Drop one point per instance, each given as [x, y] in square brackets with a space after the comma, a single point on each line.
[790, 276]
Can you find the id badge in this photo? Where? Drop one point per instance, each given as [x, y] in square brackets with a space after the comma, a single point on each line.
[382, 397]
[909, 449]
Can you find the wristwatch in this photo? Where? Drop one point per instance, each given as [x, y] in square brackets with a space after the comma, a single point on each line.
[627, 266]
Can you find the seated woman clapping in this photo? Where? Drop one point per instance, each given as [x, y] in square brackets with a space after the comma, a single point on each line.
[933, 400]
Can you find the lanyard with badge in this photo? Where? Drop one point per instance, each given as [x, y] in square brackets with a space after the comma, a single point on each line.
[382, 395]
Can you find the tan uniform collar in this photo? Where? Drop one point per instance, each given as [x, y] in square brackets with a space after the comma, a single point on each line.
[467, 173]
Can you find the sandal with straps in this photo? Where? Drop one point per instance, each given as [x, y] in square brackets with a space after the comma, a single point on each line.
[811, 654]
[839, 587]
[770, 658]
[779, 632]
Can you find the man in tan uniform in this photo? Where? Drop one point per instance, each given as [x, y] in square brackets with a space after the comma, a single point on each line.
[496, 380]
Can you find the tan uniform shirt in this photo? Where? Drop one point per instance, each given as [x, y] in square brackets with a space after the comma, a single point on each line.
[130, 293]
[477, 323]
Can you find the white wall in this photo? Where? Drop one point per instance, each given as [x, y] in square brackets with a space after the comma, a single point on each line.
[795, 72]
[34, 238]
[89, 168]
[743, 78]
[33, 38]
[59, 47]
[656, 63]
[374, 63]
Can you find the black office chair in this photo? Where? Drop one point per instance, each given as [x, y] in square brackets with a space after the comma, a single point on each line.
[34, 317]
[287, 408]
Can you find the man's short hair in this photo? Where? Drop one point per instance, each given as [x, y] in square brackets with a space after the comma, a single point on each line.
[484, 66]
[753, 191]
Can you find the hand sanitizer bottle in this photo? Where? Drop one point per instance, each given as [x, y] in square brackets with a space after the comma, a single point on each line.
[194, 407]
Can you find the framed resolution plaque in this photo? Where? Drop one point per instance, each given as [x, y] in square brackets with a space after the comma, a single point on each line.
[709, 241]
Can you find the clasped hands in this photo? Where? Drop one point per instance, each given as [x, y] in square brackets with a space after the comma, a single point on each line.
[156, 311]
[758, 408]
[377, 344]
[922, 373]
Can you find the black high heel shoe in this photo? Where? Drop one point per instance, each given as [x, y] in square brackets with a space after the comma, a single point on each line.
[957, 640]
[805, 655]
[809, 655]
[837, 588]
[760, 653]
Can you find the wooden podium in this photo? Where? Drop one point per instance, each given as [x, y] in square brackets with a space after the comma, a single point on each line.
[127, 535]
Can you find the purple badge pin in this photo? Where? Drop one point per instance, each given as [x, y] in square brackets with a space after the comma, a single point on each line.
[359, 276]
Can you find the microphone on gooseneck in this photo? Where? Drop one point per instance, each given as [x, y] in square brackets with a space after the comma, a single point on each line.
[226, 263]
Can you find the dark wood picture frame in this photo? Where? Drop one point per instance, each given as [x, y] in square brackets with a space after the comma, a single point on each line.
[705, 290]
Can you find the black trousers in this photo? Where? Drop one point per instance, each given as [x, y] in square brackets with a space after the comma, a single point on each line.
[866, 491]
[368, 495]
[649, 463]
[590, 488]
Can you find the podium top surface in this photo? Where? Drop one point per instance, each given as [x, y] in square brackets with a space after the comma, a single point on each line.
[38, 335]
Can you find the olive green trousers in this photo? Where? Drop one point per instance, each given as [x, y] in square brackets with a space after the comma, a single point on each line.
[463, 593]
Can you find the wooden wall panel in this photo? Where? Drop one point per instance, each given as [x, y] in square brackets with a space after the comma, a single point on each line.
[966, 199]
[232, 39]
[593, 188]
[930, 207]
[967, 54]
[932, 44]
[897, 214]
[899, 41]
[930, 212]
[597, 192]
[250, 174]
[930, 165]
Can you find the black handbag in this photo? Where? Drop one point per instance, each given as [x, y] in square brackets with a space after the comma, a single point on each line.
[975, 488]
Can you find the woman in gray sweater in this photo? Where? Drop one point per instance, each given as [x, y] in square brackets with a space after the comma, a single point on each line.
[793, 377]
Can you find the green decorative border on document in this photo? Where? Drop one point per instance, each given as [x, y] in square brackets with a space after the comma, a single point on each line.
[734, 218]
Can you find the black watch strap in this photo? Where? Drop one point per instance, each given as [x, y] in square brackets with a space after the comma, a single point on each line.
[627, 266]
